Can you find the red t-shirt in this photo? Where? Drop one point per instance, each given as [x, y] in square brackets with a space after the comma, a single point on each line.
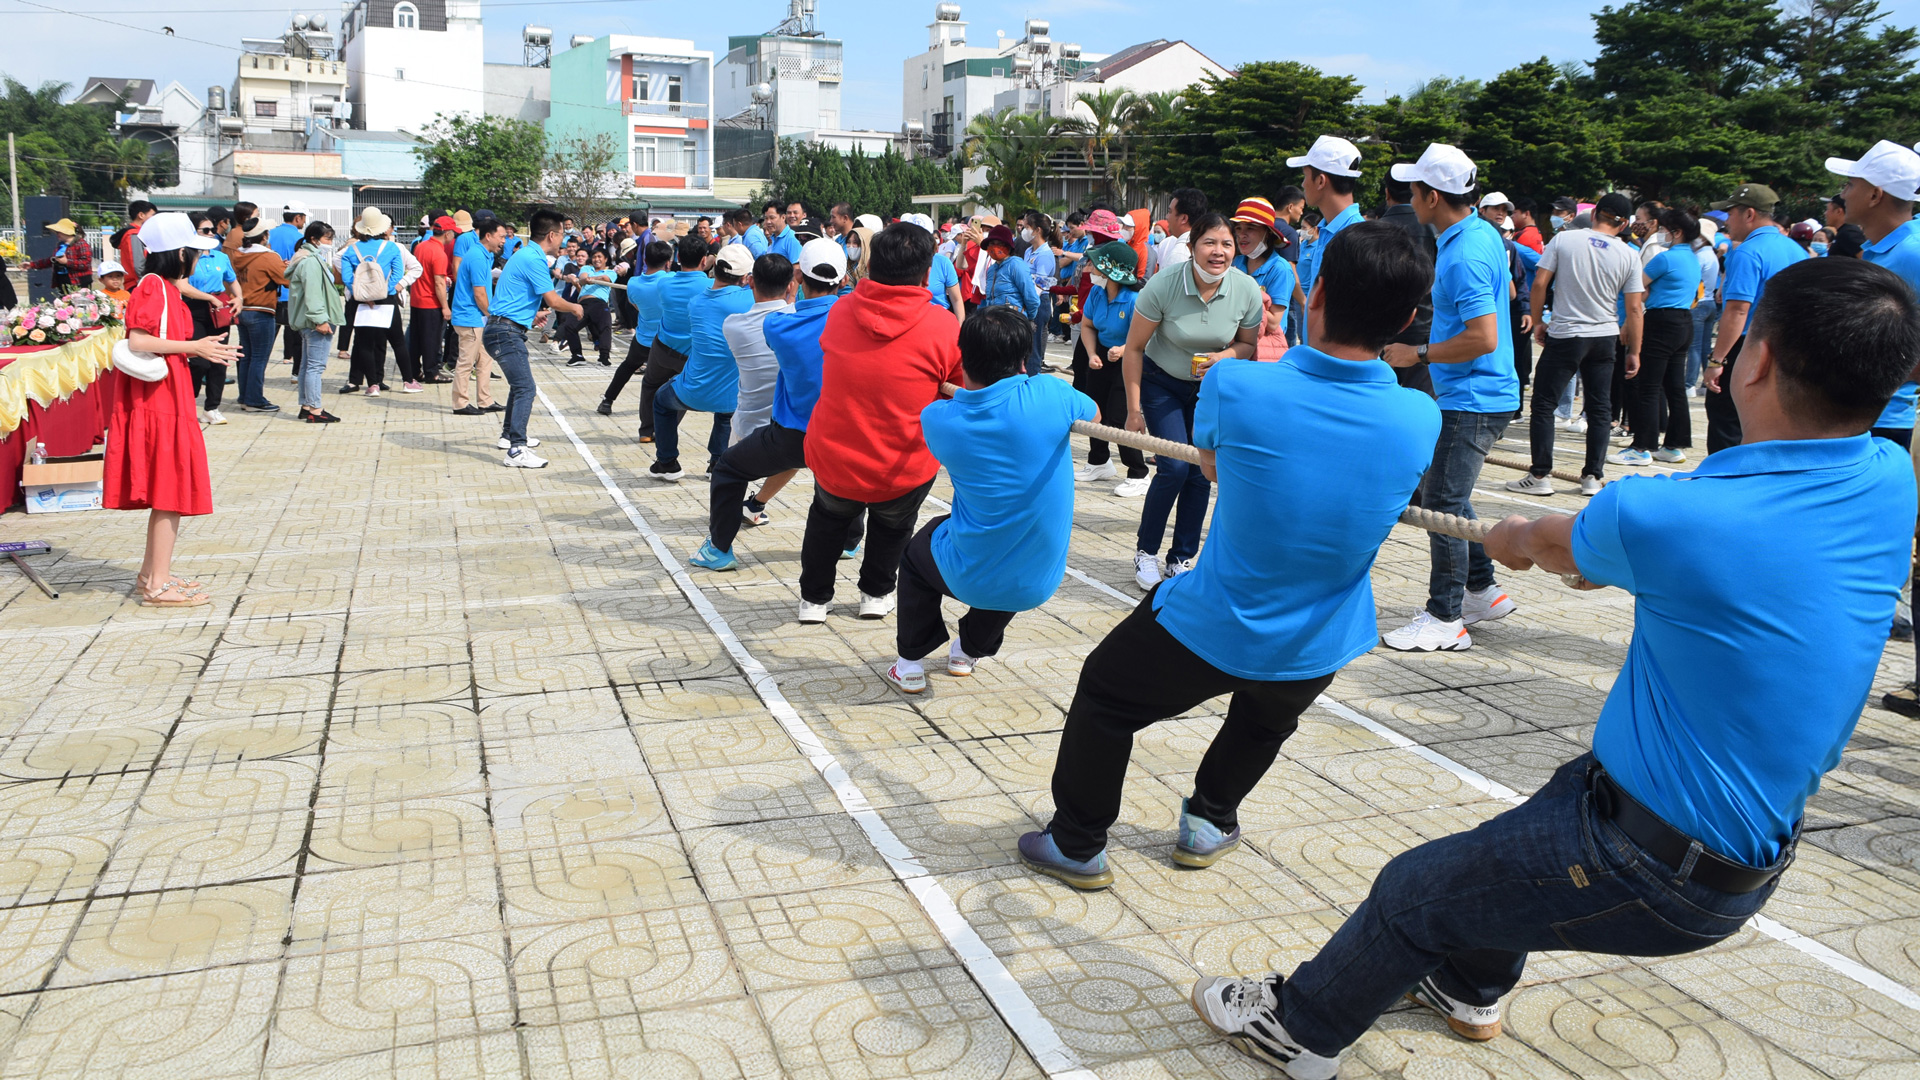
[432, 254]
[886, 352]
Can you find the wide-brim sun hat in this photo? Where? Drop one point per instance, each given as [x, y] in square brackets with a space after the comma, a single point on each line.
[1117, 262]
[172, 231]
[372, 222]
[1257, 211]
[1104, 224]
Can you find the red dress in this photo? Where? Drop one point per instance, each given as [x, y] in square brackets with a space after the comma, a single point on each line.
[155, 457]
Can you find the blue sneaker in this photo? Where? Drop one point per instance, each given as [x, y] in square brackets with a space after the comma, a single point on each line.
[1201, 842]
[1039, 852]
[1630, 456]
[851, 553]
[712, 558]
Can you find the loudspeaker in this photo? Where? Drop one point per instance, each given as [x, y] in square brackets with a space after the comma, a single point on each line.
[38, 212]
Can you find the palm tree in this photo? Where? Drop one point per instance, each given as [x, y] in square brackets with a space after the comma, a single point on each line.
[127, 164]
[1101, 131]
[1012, 146]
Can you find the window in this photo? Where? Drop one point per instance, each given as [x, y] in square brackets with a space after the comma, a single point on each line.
[639, 86]
[688, 150]
[926, 75]
[646, 155]
[655, 156]
[673, 90]
[399, 74]
[266, 108]
[406, 16]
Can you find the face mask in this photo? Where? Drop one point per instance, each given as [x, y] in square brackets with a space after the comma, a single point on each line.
[1157, 235]
[1026, 235]
[1662, 238]
[1258, 250]
[1211, 279]
[1099, 280]
[1559, 222]
[853, 252]
[1819, 248]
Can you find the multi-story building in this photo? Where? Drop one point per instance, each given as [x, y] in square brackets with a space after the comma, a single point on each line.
[282, 83]
[408, 61]
[953, 81]
[796, 70]
[653, 98]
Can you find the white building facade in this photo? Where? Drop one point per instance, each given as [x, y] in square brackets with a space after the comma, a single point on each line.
[410, 60]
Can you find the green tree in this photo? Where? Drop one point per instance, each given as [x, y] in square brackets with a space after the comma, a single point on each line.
[1432, 112]
[1102, 134]
[579, 177]
[1012, 147]
[66, 149]
[474, 163]
[1530, 133]
[819, 176]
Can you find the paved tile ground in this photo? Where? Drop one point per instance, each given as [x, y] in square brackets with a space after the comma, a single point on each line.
[455, 781]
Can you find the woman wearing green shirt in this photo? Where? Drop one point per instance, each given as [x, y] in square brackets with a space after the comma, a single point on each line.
[1188, 318]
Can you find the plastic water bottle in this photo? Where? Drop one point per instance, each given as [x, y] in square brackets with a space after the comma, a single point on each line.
[38, 455]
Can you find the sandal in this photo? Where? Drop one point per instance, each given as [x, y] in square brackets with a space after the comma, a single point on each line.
[140, 585]
[175, 595]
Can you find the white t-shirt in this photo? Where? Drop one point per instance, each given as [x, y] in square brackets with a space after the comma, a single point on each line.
[1172, 252]
[1590, 271]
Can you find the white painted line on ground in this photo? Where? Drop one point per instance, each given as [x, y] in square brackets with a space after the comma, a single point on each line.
[995, 981]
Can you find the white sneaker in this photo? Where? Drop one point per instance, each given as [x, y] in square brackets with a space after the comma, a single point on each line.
[531, 442]
[877, 607]
[1133, 487]
[1670, 455]
[213, 417]
[812, 614]
[1428, 634]
[523, 458]
[1102, 471]
[1475, 1022]
[1531, 485]
[959, 664]
[1146, 570]
[1591, 485]
[907, 677]
[1485, 606]
[1175, 569]
[1243, 1011]
[1631, 457]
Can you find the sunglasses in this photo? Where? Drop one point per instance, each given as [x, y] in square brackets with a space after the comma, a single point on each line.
[205, 232]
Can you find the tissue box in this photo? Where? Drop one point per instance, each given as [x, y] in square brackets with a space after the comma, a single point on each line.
[63, 485]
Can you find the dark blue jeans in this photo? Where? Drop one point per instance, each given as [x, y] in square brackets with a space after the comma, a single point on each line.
[1168, 403]
[1468, 908]
[257, 330]
[668, 410]
[1465, 438]
[506, 341]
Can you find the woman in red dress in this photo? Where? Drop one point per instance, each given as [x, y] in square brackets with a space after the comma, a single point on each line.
[155, 457]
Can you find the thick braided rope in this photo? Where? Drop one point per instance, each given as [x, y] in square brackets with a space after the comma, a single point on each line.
[1527, 466]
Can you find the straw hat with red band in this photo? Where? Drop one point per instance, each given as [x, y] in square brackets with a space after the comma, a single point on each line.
[1258, 211]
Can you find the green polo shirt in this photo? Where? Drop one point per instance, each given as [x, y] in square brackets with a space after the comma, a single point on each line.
[1190, 325]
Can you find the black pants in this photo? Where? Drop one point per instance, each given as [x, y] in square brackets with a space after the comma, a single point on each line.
[1723, 420]
[828, 520]
[635, 362]
[770, 450]
[920, 629]
[663, 363]
[1109, 391]
[1137, 677]
[1901, 436]
[1522, 351]
[369, 355]
[1418, 377]
[343, 334]
[1592, 359]
[449, 349]
[1659, 391]
[426, 326]
[596, 321]
[290, 339]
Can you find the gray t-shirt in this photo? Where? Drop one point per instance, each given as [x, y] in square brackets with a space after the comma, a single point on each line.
[746, 335]
[1590, 271]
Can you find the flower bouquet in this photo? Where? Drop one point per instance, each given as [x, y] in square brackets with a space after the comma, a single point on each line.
[59, 321]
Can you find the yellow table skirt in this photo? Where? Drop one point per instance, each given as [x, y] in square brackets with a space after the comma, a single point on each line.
[52, 375]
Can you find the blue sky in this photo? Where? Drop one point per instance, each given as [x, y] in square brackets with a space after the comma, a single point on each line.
[1389, 45]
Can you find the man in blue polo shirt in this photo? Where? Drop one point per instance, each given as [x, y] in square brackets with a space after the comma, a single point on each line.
[710, 382]
[1331, 169]
[1743, 682]
[524, 285]
[1471, 360]
[1763, 252]
[643, 292]
[1006, 440]
[1280, 598]
[468, 300]
[668, 357]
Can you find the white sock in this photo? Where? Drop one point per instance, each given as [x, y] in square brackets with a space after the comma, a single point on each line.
[904, 667]
[955, 651]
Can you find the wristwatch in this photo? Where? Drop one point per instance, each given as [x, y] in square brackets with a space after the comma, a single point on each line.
[1420, 351]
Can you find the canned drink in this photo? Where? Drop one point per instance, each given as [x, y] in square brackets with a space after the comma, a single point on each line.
[1200, 362]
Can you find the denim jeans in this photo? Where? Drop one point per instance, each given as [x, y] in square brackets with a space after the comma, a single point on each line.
[1590, 358]
[506, 341]
[1466, 909]
[1706, 319]
[1465, 438]
[1563, 409]
[315, 347]
[256, 348]
[668, 411]
[1168, 403]
[1038, 356]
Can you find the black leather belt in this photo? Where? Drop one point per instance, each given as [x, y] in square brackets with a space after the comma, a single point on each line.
[1670, 845]
[514, 322]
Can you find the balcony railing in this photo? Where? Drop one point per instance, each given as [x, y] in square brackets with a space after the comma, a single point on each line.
[697, 109]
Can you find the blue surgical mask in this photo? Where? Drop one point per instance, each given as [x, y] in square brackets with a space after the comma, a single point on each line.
[1559, 222]
[1819, 248]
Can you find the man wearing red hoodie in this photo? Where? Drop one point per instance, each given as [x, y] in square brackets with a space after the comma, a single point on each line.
[886, 353]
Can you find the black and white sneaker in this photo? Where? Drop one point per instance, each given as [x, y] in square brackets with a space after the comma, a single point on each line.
[1467, 1021]
[670, 471]
[1243, 1011]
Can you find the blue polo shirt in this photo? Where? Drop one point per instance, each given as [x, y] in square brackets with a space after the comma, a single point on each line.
[1275, 277]
[1310, 255]
[941, 278]
[1077, 247]
[1765, 252]
[794, 337]
[785, 243]
[756, 240]
[643, 291]
[1898, 251]
[386, 253]
[1673, 279]
[1282, 590]
[1746, 674]
[212, 272]
[676, 293]
[1009, 453]
[1471, 279]
[476, 272]
[711, 380]
[285, 239]
[525, 280]
[1110, 319]
[596, 284]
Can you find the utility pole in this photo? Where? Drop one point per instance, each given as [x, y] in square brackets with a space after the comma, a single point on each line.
[13, 179]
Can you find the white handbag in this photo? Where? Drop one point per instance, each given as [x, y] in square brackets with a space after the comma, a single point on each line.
[145, 366]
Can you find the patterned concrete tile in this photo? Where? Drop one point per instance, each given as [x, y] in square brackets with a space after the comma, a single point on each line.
[352, 833]
[31, 941]
[86, 752]
[481, 1058]
[610, 967]
[210, 1023]
[767, 858]
[567, 758]
[75, 805]
[916, 774]
[960, 834]
[402, 726]
[711, 744]
[164, 933]
[724, 1041]
[337, 1004]
[592, 880]
[920, 1023]
[1014, 909]
[768, 791]
[204, 851]
[831, 935]
[394, 775]
[422, 900]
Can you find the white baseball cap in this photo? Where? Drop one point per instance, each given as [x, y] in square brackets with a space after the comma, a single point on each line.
[171, 232]
[823, 260]
[1332, 155]
[1496, 198]
[296, 208]
[1888, 166]
[735, 259]
[921, 220]
[1442, 168]
[870, 221]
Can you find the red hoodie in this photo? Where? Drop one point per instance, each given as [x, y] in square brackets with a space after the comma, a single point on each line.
[886, 353]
